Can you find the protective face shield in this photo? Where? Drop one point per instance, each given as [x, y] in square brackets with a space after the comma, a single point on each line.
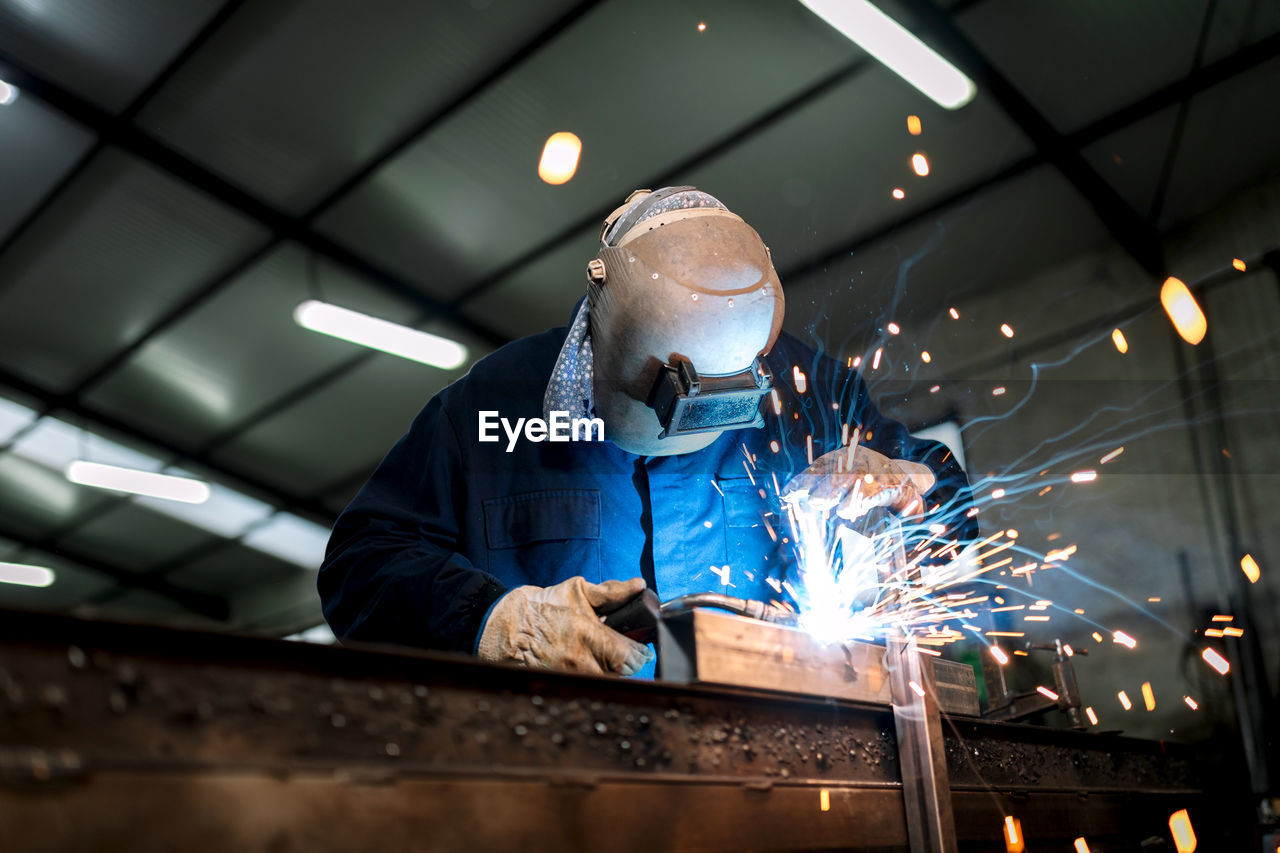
[683, 301]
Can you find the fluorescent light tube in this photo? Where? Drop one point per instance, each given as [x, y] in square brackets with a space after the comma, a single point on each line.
[25, 575]
[905, 55]
[137, 482]
[382, 335]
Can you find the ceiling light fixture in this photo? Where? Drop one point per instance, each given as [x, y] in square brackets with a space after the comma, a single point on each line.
[137, 482]
[905, 55]
[8, 93]
[24, 575]
[382, 335]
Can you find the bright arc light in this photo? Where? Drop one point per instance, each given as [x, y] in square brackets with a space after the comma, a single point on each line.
[1117, 337]
[1249, 566]
[382, 335]
[559, 158]
[1184, 837]
[1217, 661]
[8, 93]
[25, 575]
[1183, 310]
[137, 482]
[904, 54]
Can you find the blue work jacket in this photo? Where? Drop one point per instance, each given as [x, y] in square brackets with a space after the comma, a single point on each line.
[447, 523]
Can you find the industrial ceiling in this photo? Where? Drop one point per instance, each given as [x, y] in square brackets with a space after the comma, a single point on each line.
[175, 178]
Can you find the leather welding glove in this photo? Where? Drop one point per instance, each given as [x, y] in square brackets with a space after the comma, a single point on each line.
[854, 482]
[559, 627]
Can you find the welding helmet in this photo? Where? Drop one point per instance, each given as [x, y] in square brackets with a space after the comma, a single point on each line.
[684, 302]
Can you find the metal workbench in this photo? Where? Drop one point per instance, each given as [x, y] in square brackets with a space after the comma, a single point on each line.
[116, 736]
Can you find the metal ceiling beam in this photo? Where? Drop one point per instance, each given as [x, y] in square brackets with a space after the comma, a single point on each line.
[1133, 233]
[210, 606]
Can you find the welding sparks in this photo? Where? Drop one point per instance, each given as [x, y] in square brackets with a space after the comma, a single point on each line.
[875, 360]
[1184, 837]
[1148, 696]
[935, 389]
[1232, 632]
[913, 125]
[955, 315]
[1013, 842]
[1045, 691]
[1249, 566]
[824, 800]
[1112, 455]
[920, 164]
[1117, 338]
[997, 494]
[916, 689]
[1124, 700]
[1124, 639]
[1000, 655]
[1183, 310]
[898, 193]
[801, 381]
[1084, 476]
[1006, 330]
[998, 391]
[1238, 264]
[893, 328]
[1217, 661]
[1097, 638]
[1093, 717]
[1191, 703]
[1081, 845]
[925, 357]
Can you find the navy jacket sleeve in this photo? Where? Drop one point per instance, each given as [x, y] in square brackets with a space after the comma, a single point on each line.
[392, 572]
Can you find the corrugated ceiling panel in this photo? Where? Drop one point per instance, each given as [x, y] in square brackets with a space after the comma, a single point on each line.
[39, 146]
[232, 568]
[466, 199]
[1132, 159]
[289, 99]
[35, 500]
[105, 51]
[134, 538]
[240, 350]
[116, 251]
[1082, 60]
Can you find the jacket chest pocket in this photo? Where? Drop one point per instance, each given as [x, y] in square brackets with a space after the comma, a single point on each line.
[543, 537]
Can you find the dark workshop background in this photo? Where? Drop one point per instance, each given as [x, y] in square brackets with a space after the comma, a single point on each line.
[176, 177]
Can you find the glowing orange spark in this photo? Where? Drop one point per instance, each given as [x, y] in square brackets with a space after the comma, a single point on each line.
[1006, 330]
[1066, 647]
[997, 493]
[1124, 639]
[1112, 455]
[925, 357]
[920, 164]
[1184, 837]
[1232, 632]
[875, 360]
[1081, 845]
[1183, 310]
[702, 28]
[998, 391]
[1155, 599]
[1249, 566]
[1052, 536]
[559, 159]
[913, 125]
[1124, 700]
[824, 800]
[955, 315]
[1217, 661]
[1005, 634]
[1213, 632]
[1013, 842]
[857, 360]
[773, 445]
[999, 654]
[1097, 638]
[1045, 691]
[916, 689]
[1238, 264]
[1117, 338]
[802, 381]
[1191, 703]
[935, 389]
[1084, 476]
[898, 193]
[1148, 696]
[1035, 618]
[893, 328]
[1044, 491]
[1218, 617]
[1093, 718]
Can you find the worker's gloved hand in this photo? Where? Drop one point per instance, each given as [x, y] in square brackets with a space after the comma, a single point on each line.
[852, 482]
[558, 627]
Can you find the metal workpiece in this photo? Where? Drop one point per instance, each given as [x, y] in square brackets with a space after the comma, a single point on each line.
[707, 647]
[922, 759]
[1008, 706]
[132, 737]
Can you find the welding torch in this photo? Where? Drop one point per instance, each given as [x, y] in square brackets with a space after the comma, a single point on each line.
[638, 618]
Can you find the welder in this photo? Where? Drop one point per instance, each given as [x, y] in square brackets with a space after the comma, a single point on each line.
[511, 549]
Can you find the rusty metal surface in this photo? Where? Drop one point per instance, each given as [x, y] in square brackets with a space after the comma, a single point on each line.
[85, 705]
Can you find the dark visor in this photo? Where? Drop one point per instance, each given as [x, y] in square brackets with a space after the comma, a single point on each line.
[687, 403]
